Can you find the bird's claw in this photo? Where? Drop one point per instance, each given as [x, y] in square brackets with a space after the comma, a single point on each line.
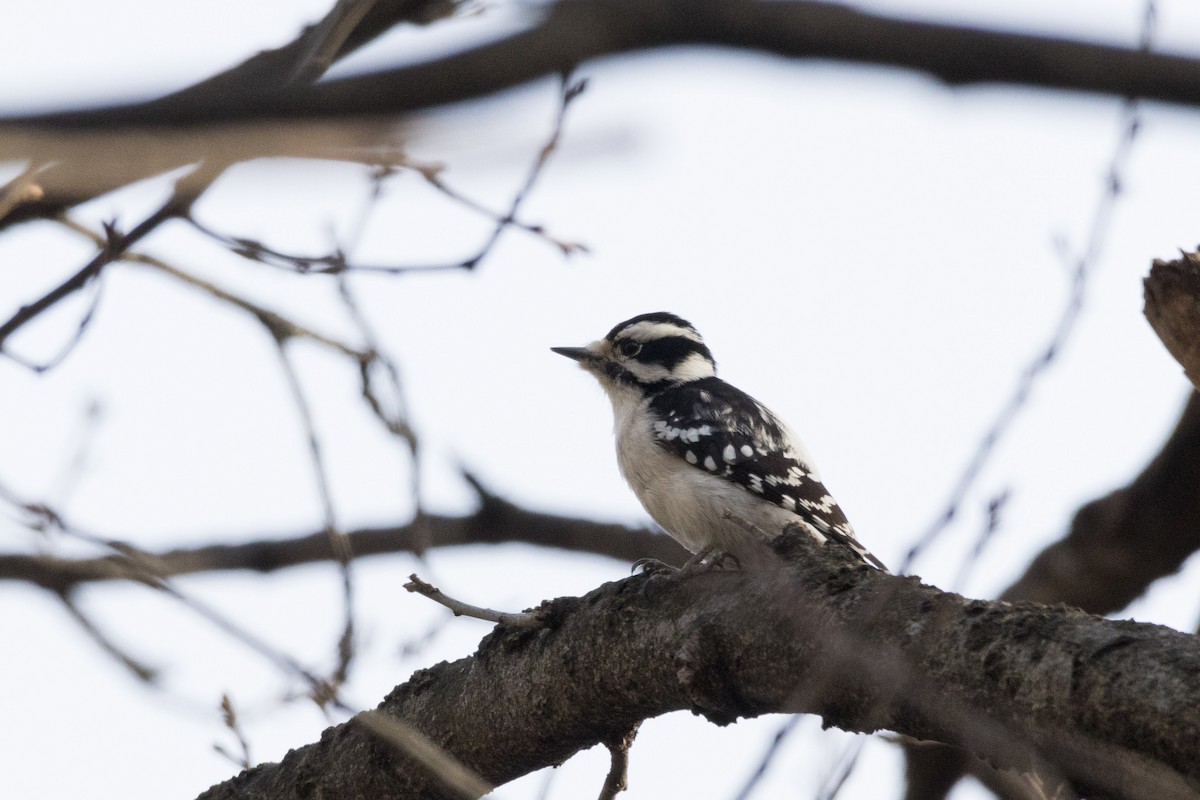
[710, 559]
[651, 566]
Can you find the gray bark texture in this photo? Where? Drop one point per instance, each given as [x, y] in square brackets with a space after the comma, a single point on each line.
[1118, 544]
[1113, 707]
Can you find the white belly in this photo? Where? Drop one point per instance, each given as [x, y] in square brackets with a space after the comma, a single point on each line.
[690, 504]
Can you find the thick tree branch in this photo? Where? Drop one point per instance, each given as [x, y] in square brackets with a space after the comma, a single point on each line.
[1116, 547]
[303, 59]
[575, 31]
[1113, 705]
[1121, 543]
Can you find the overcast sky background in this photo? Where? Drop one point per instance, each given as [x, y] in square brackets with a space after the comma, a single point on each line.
[867, 252]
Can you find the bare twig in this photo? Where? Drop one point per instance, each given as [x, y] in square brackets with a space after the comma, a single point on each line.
[432, 173]
[114, 246]
[768, 756]
[569, 92]
[327, 39]
[1083, 265]
[410, 741]
[278, 326]
[338, 542]
[995, 509]
[146, 568]
[525, 619]
[137, 668]
[845, 768]
[617, 779]
[337, 261]
[230, 718]
[21, 189]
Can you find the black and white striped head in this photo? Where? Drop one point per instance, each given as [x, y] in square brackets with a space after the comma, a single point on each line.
[650, 351]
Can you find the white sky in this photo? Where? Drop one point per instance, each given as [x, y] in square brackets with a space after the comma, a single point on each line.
[867, 252]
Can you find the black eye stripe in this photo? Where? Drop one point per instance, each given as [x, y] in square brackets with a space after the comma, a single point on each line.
[669, 352]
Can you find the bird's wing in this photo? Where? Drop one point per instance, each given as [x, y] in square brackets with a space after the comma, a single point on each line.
[718, 428]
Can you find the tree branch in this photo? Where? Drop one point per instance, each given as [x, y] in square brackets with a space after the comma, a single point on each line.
[495, 522]
[1116, 547]
[1172, 294]
[527, 619]
[303, 59]
[575, 31]
[1113, 705]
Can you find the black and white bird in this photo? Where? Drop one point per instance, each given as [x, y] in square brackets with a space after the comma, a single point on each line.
[713, 466]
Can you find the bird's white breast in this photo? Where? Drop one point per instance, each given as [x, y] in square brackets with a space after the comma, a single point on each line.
[690, 504]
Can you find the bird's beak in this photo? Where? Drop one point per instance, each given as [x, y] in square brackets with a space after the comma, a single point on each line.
[579, 354]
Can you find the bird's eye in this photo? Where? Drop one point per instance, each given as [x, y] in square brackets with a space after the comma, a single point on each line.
[630, 348]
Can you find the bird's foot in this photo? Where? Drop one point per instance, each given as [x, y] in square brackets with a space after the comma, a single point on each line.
[710, 558]
[652, 566]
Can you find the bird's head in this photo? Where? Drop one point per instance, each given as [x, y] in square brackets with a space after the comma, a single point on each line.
[650, 351]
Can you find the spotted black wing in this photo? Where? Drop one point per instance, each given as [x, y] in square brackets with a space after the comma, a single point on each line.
[718, 428]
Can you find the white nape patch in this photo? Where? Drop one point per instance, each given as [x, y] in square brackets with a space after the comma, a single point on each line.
[729, 454]
[649, 331]
[689, 457]
[693, 368]
[710, 464]
[747, 450]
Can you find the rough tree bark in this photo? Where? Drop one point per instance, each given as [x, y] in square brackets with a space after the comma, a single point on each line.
[1122, 542]
[1172, 294]
[1113, 706]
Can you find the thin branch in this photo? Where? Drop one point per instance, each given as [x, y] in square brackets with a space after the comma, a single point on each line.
[20, 190]
[569, 92]
[338, 263]
[409, 740]
[137, 668]
[432, 173]
[328, 38]
[69, 346]
[146, 569]
[526, 619]
[845, 768]
[278, 326]
[230, 718]
[936, 769]
[768, 756]
[617, 779]
[1098, 232]
[339, 544]
[496, 521]
[114, 246]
